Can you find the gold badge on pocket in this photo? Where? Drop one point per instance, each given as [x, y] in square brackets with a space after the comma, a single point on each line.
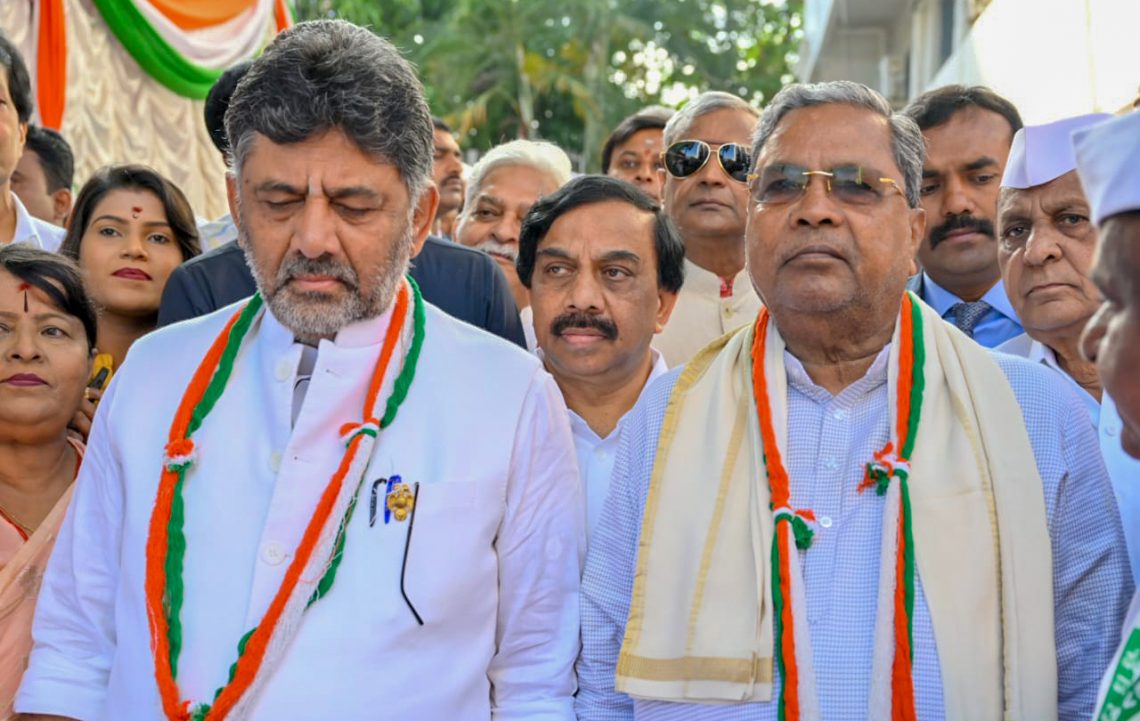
[401, 501]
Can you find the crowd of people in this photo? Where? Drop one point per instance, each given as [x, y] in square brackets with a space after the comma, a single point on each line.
[820, 411]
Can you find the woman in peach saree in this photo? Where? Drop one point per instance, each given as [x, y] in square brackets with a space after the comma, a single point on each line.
[47, 331]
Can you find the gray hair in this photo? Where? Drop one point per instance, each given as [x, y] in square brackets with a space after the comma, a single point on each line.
[331, 74]
[906, 138]
[546, 158]
[701, 105]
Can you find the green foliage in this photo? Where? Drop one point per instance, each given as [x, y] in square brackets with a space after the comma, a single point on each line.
[569, 70]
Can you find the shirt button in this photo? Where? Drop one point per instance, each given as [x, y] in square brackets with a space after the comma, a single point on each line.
[274, 461]
[1112, 431]
[839, 415]
[284, 370]
[273, 554]
[825, 521]
[830, 464]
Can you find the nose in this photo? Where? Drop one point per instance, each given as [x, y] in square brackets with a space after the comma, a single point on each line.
[816, 207]
[957, 201]
[585, 294]
[23, 345]
[507, 229]
[316, 231]
[1094, 333]
[1042, 247]
[134, 246]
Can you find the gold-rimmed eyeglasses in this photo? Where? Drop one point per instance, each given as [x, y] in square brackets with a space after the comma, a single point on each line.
[849, 184]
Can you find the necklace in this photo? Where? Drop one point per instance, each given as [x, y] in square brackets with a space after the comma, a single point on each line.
[892, 689]
[321, 549]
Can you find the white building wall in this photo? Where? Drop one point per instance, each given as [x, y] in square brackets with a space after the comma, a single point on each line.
[1052, 58]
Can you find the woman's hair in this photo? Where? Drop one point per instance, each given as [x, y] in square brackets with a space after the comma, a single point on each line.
[132, 177]
[57, 277]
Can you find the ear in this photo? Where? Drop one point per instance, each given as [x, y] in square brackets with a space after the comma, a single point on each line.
[666, 302]
[424, 216]
[61, 204]
[232, 200]
[917, 233]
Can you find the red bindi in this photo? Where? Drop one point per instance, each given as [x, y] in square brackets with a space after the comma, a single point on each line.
[135, 212]
[24, 287]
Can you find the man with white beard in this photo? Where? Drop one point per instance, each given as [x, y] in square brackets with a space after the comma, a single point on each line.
[503, 186]
[240, 542]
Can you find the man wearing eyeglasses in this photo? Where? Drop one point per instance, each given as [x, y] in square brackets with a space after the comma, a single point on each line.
[968, 131]
[704, 177]
[848, 510]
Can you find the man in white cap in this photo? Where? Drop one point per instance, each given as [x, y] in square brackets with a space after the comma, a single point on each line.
[1046, 242]
[1108, 159]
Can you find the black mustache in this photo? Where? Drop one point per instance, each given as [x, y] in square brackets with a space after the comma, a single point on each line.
[960, 222]
[605, 326]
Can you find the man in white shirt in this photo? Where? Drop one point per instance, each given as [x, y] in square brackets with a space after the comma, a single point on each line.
[967, 131]
[1108, 156]
[706, 165]
[1046, 241]
[16, 224]
[503, 186]
[603, 265]
[319, 535]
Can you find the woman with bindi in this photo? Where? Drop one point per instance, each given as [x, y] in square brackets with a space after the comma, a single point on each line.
[47, 334]
[129, 230]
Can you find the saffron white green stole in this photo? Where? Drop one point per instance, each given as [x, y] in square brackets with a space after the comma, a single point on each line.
[701, 620]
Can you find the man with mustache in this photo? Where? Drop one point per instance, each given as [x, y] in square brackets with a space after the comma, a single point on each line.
[848, 510]
[603, 265]
[281, 514]
[1046, 241]
[504, 184]
[968, 131]
[462, 283]
[447, 174]
[704, 176]
[1108, 159]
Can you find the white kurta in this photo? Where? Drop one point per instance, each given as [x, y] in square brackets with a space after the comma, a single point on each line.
[1123, 469]
[596, 455]
[704, 313]
[493, 564]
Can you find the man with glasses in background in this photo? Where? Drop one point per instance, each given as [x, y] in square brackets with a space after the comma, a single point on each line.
[763, 553]
[705, 171]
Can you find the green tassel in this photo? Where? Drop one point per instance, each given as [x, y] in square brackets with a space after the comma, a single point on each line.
[802, 532]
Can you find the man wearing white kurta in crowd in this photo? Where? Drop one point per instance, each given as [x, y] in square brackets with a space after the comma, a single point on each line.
[1046, 241]
[16, 224]
[603, 265]
[437, 578]
[503, 186]
[803, 522]
[1108, 160]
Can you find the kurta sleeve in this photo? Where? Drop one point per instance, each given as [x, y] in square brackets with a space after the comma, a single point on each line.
[1092, 580]
[540, 546]
[73, 630]
[608, 582]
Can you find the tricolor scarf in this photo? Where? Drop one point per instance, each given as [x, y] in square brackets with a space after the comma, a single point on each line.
[313, 569]
[718, 598]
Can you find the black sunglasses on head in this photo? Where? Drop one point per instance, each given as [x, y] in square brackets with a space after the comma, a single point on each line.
[686, 157]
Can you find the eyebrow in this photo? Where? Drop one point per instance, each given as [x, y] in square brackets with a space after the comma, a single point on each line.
[117, 219]
[484, 198]
[982, 162]
[38, 316]
[613, 255]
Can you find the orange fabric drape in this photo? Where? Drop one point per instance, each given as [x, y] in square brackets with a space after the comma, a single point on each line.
[197, 14]
[281, 15]
[51, 64]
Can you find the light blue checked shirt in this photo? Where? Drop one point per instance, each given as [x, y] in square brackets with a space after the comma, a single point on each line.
[830, 438]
